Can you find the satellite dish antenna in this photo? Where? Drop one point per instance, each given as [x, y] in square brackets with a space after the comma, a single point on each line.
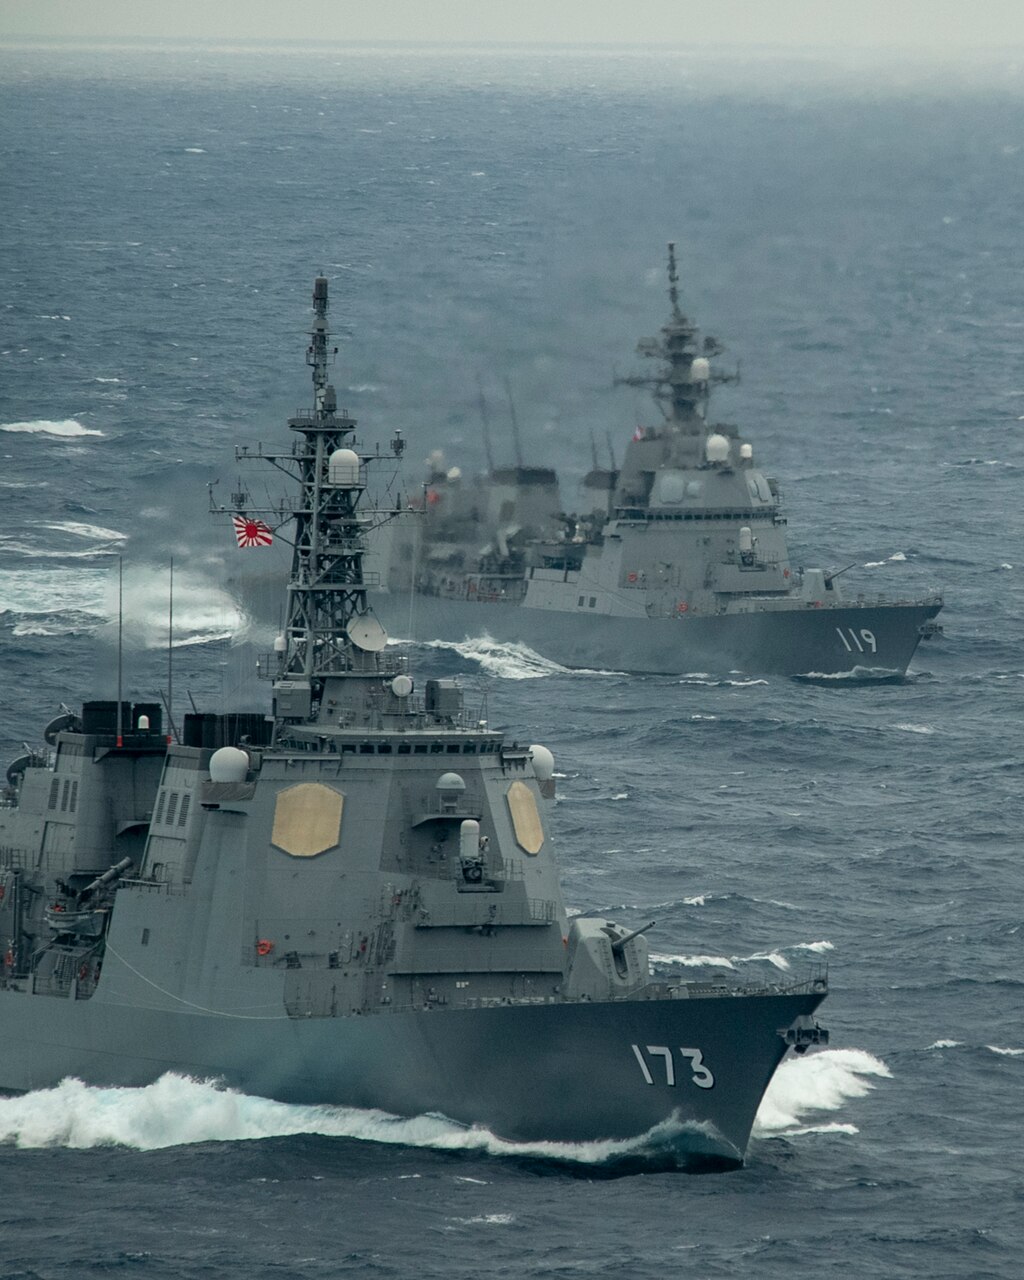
[366, 633]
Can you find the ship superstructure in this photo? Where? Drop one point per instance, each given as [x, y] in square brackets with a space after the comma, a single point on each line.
[352, 899]
[677, 563]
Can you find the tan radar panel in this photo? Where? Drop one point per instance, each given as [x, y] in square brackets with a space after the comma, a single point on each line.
[307, 819]
[525, 818]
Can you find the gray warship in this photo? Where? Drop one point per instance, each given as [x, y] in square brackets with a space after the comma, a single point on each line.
[679, 565]
[352, 899]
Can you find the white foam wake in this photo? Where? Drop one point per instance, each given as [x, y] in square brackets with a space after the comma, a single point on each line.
[817, 1082]
[68, 429]
[177, 1111]
[509, 661]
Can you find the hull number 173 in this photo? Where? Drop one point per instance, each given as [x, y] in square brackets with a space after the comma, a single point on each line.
[663, 1059]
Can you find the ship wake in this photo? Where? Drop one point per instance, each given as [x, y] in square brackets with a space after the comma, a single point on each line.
[179, 1111]
[508, 660]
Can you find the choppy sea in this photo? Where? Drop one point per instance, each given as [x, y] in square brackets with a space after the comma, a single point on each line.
[853, 234]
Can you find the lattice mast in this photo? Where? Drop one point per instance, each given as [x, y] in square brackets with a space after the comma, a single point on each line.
[682, 386]
[326, 606]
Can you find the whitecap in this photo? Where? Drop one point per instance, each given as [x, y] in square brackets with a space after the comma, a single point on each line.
[33, 593]
[946, 1044]
[1010, 1053]
[821, 1081]
[85, 530]
[693, 962]
[66, 429]
[914, 728]
[487, 1219]
[775, 957]
[64, 601]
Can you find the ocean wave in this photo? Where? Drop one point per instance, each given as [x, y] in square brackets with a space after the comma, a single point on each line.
[719, 682]
[84, 530]
[28, 551]
[87, 599]
[67, 429]
[44, 593]
[898, 557]
[816, 1082]
[775, 957]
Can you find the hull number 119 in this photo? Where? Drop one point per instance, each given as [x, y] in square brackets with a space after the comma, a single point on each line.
[862, 641]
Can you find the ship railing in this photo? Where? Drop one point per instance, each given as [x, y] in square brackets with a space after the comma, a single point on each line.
[720, 986]
[152, 885]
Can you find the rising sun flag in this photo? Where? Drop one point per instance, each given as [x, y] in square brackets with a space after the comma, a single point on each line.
[251, 533]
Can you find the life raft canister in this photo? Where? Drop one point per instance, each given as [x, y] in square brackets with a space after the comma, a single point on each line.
[264, 947]
[682, 606]
[631, 577]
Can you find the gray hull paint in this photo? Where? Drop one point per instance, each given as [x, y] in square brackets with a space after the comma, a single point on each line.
[789, 642]
[564, 1073]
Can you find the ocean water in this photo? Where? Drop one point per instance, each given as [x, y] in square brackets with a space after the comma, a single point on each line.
[853, 235]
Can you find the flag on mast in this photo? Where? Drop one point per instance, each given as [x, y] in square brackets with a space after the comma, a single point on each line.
[251, 533]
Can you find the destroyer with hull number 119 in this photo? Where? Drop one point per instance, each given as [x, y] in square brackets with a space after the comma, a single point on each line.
[352, 900]
[676, 563]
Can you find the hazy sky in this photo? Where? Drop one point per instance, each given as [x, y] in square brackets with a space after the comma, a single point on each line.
[949, 25]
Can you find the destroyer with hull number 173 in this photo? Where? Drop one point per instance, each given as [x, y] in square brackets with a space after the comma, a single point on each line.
[677, 562]
[353, 900]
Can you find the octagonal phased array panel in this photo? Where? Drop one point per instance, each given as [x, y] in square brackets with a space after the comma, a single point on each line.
[307, 819]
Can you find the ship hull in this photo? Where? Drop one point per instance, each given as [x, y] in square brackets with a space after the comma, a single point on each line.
[564, 1072]
[831, 640]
